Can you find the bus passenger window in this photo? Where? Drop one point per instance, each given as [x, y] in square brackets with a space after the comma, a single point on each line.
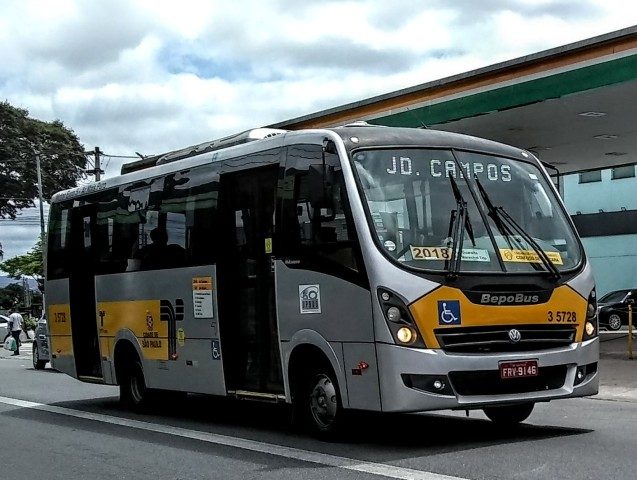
[59, 234]
[159, 253]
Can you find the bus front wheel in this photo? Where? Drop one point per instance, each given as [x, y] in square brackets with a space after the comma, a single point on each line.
[509, 414]
[319, 404]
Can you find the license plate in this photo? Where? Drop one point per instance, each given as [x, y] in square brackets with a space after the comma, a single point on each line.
[524, 368]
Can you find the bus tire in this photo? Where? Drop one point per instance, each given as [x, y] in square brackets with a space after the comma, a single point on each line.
[509, 415]
[133, 392]
[318, 404]
[37, 363]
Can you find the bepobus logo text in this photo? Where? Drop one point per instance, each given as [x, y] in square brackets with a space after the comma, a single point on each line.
[518, 298]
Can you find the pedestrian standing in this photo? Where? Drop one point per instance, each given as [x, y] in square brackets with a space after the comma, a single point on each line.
[16, 327]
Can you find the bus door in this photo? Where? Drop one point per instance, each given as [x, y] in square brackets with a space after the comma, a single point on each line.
[82, 292]
[248, 324]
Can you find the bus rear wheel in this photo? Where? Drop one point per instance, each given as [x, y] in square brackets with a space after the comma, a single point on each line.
[509, 415]
[133, 392]
[37, 363]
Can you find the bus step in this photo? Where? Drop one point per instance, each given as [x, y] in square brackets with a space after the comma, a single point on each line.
[262, 396]
[90, 379]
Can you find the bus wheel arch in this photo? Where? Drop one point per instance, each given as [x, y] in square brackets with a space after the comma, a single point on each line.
[315, 390]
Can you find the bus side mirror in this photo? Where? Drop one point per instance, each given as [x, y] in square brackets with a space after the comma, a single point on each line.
[321, 180]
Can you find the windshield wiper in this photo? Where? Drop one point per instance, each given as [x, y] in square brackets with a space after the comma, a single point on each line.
[500, 216]
[459, 222]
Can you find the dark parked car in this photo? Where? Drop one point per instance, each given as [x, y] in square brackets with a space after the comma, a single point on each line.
[612, 309]
[41, 345]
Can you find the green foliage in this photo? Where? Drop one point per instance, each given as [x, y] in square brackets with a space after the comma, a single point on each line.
[29, 323]
[28, 265]
[61, 155]
[11, 295]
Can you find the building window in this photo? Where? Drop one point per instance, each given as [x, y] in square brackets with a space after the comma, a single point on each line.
[589, 177]
[626, 171]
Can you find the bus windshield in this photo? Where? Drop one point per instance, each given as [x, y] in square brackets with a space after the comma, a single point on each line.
[425, 215]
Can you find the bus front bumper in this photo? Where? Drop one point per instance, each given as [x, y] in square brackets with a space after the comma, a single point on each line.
[411, 378]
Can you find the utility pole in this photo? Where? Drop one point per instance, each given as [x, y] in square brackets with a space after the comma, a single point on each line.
[43, 239]
[97, 171]
[39, 172]
[27, 293]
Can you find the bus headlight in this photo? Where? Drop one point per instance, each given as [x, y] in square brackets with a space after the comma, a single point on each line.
[406, 335]
[399, 320]
[591, 325]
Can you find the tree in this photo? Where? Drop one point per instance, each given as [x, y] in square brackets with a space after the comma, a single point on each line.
[11, 296]
[28, 265]
[61, 156]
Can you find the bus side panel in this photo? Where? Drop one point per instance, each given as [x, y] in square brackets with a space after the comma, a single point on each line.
[172, 315]
[59, 325]
[338, 311]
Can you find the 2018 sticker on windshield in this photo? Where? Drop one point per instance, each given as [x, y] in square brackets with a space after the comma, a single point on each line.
[444, 253]
[528, 256]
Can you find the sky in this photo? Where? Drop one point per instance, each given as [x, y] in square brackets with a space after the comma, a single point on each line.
[151, 76]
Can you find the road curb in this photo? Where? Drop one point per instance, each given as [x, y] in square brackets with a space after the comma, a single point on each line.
[27, 347]
[617, 394]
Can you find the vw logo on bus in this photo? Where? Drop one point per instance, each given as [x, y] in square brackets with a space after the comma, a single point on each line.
[514, 335]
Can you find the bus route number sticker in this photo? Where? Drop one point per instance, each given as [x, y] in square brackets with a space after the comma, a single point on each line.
[202, 297]
[310, 298]
[444, 253]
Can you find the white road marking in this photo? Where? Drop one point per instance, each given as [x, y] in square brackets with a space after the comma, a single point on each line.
[372, 468]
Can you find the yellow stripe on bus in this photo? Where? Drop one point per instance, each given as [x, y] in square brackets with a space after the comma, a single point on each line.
[59, 324]
[59, 319]
[142, 318]
[563, 299]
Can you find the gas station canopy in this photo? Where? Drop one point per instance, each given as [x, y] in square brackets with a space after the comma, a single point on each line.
[574, 106]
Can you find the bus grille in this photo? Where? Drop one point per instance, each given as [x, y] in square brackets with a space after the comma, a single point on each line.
[496, 338]
[488, 382]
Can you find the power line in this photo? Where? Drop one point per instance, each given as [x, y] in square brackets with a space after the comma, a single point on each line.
[108, 161]
[123, 156]
[17, 198]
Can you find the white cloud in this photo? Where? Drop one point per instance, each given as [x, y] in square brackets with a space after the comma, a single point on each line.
[155, 75]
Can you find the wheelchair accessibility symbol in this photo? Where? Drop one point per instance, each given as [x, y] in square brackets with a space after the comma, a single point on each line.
[449, 312]
[216, 350]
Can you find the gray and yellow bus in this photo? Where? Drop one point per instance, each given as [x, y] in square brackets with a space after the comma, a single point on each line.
[351, 268]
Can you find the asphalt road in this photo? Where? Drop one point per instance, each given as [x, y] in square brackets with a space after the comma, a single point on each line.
[53, 427]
